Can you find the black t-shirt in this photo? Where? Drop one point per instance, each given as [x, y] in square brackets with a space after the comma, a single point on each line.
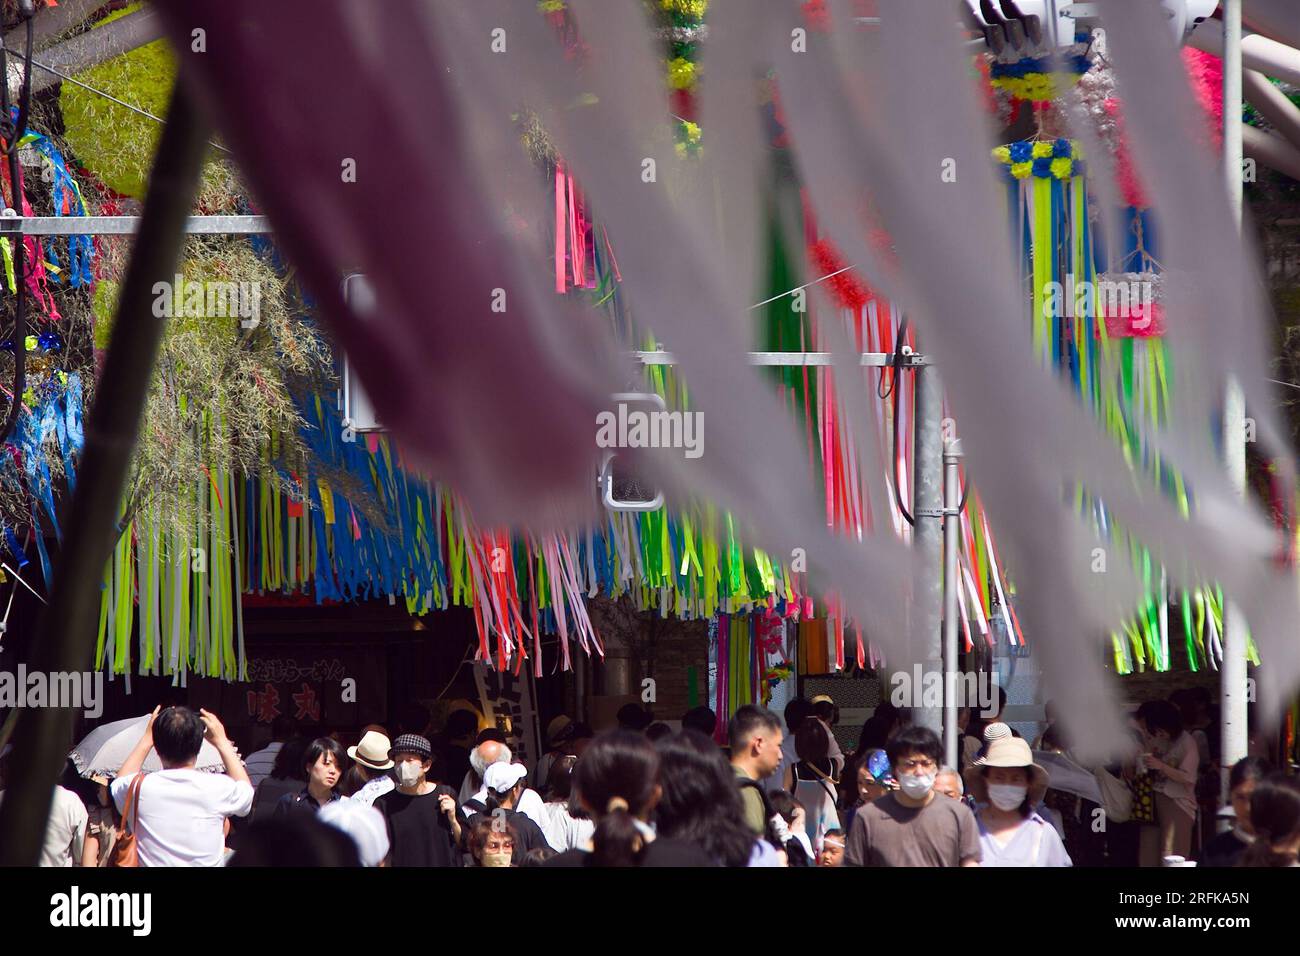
[418, 831]
[267, 796]
[530, 834]
[664, 851]
[301, 803]
[1224, 850]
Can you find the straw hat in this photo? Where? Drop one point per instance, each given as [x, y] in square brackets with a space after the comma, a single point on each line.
[372, 751]
[1006, 752]
[996, 731]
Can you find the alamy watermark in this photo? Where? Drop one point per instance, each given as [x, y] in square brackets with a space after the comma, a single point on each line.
[80, 690]
[1127, 299]
[209, 300]
[931, 688]
[76, 909]
[637, 428]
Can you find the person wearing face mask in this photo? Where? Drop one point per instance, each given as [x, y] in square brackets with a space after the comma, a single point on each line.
[493, 842]
[1227, 848]
[1007, 785]
[505, 782]
[423, 826]
[914, 825]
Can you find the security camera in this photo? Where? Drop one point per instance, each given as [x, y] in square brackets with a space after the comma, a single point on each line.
[1186, 15]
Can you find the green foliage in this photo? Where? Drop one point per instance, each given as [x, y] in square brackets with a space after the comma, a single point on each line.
[114, 143]
[118, 145]
[221, 396]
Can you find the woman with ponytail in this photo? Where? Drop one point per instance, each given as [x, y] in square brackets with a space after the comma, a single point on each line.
[700, 803]
[1275, 815]
[617, 783]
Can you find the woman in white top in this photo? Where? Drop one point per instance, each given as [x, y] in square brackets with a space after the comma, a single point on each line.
[1007, 785]
[813, 782]
[564, 830]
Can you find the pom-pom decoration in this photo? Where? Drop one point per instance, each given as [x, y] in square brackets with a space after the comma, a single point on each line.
[1039, 79]
[846, 288]
[1131, 303]
[681, 73]
[688, 9]
[816, 16]
[1044, 159]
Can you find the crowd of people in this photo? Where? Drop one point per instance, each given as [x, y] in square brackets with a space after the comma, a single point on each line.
[779, 792]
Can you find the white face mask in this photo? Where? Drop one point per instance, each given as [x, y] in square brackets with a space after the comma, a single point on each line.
[916, 785]
[1007, 796]
[496, 857]
[408, 773]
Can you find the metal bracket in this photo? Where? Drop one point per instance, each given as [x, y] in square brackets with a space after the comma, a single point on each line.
[907, 359]
[605, 481]
[126, 225]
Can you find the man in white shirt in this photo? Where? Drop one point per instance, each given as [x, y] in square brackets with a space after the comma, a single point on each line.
[530, 802]
[182, 811]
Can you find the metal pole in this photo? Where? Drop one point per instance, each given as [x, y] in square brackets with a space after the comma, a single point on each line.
[1233, 694]
[66, 630]
[951, 586]
[927, 509]
[128, 225]
[791, 359]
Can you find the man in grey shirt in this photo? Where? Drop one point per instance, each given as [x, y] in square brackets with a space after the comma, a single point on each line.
[915, 825]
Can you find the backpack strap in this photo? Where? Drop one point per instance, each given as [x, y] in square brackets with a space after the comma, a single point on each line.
[769, 833]
[746, 783]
